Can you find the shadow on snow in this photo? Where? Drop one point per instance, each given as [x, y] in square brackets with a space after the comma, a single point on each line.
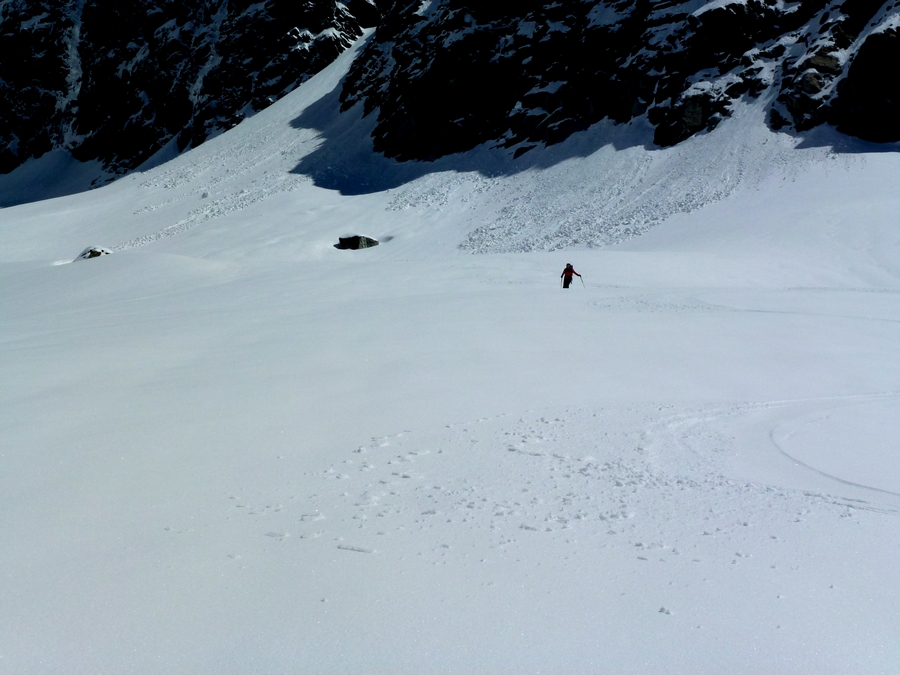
[345, 161]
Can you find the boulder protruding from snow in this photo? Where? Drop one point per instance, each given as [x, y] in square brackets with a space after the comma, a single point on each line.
[355, 241]
[92, 252]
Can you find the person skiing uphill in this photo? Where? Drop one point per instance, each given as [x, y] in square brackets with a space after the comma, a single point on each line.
[566, 275]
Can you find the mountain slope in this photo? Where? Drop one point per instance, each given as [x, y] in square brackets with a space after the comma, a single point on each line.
[231, 447]
[447, 75]
[119, 84]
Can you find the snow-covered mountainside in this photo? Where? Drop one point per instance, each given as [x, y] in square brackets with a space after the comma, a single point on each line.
[447, 75]
[116, 81]
[229, 447]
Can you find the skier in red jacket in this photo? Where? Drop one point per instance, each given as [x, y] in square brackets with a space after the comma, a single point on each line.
[566, 275]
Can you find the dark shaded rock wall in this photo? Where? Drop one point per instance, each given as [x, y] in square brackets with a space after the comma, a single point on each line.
[447, 75]
[34, 45]
[116, 81]
[868, 99]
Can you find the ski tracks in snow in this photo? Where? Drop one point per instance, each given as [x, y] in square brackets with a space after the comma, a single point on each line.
[655, 489]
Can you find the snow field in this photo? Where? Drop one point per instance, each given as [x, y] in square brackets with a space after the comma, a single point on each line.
[230, 447]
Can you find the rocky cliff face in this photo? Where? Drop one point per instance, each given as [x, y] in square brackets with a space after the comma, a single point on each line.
[116, 81]
[446, 75]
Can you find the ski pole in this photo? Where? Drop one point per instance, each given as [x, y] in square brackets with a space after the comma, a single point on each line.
[582, 281]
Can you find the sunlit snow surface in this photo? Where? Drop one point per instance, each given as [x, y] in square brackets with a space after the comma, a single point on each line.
[231, 447]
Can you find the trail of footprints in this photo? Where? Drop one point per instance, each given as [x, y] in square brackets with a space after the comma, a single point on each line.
[653, 303]
[493, 483]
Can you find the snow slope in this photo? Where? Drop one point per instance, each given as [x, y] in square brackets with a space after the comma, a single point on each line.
[230, 447]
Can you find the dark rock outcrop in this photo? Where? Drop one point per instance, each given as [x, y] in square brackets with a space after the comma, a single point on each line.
[447, 75]
[354, 242]
[868, 99]
[116, 81]
[689, 115]
[34, 84]
[92, 252]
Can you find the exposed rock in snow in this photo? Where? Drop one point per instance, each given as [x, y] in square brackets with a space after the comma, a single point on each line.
[92, 252]
[355, 242]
